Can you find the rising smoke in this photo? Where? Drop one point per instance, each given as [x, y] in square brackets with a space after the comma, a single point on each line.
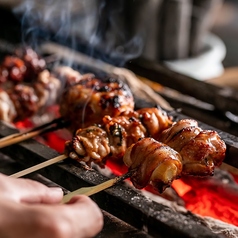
[104, 29]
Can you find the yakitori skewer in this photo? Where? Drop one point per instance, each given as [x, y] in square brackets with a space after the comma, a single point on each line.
[85, 101]
[149, 121]
[181, 149]
[88, 191]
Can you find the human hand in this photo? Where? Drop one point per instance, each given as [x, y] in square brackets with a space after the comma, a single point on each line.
[31, 209]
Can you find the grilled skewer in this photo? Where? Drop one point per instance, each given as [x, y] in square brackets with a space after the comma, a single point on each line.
[140, 123]
[85, 97]
[192, 151]
[200, 150]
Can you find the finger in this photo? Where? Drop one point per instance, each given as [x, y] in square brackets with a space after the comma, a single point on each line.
[82, 206]
[30, 191]
[81, 218]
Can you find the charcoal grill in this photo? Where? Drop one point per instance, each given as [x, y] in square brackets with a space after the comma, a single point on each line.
[126, 209]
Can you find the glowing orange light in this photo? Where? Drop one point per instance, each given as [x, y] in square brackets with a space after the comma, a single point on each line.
[200, 197]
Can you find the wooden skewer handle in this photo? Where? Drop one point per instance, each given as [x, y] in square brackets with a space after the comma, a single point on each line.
[10, 137]
[38, 166]
[22, 136]
[16, 139]
[88, 191]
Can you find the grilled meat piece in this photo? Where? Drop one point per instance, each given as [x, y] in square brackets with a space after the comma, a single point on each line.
[24, 65]
[47, 88]
[154, 163]
[25, 101]
[69, 77]
[201, 150]
[7, 109]
[115, 133]
[34, 63]
[89, 144]
[12, 69]
[87, 102]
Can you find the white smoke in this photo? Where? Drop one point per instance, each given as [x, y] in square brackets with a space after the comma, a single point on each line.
[99, 24]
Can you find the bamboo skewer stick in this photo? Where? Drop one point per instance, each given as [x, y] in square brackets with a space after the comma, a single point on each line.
[39, 166]
[19, 137]
[11, 136]
[88, 191]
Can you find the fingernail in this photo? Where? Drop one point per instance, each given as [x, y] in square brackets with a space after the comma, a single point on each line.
[56, 189]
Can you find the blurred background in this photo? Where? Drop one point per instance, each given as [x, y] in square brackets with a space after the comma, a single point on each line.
[194, 37]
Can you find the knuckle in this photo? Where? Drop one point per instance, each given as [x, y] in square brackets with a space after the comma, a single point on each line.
[54, 226]
[60, 228]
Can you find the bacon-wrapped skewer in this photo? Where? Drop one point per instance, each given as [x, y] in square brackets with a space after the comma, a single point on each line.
[201, 150]
[153, 163]
[197, 153]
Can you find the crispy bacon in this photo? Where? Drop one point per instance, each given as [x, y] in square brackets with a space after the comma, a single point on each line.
[24, 100]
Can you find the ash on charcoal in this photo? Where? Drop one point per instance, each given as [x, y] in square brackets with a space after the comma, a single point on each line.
[225, 182]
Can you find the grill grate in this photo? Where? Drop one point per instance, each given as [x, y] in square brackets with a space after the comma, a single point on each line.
[123, 205]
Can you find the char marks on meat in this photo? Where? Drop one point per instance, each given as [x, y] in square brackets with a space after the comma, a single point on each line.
[201, 150]
[154, 163]
[88, 101]
[119, 132]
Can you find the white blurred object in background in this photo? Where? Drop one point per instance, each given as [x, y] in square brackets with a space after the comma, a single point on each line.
[205, 66]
